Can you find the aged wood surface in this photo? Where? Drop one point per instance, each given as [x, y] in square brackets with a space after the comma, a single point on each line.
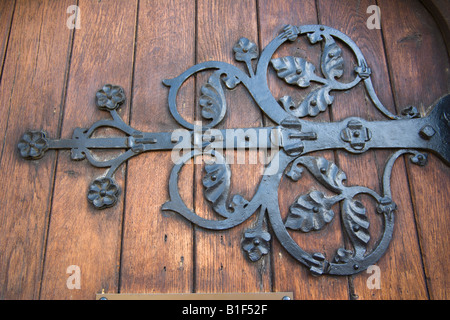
[49, 74]
[32, 94]
[221, 265]
[273, 17]
[414, 52]
[6, 13]
[82, 236]
[365, 169]
[157, 252]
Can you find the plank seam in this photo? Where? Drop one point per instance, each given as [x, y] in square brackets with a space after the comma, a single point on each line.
[7, 42]
[55, 161]
[194, 170]
[264, 123]
[350, 286]
[405, 162]
[1, 78]
[124, 209]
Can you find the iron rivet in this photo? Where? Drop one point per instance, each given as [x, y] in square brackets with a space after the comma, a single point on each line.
[427, 132]
[286, 298]
[103, 298]
[328, 137]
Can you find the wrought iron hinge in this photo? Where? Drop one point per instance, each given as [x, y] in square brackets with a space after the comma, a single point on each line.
[293, 138]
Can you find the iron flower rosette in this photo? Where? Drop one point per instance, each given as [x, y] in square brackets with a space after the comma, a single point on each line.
[109, 97]
[310, 212]
[33, 145]
[103, 193]
[256, 243]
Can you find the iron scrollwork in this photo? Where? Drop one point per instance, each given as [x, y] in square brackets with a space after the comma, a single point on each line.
[296, 138]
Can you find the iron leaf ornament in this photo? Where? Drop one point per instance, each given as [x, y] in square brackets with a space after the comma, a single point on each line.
[407, 133]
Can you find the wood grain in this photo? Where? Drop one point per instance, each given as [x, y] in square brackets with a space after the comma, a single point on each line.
[289, 274]
[6, 14]
[221, 265]
[419, 76]
[157, 246]
[31, 96]
[79, 234]
[49, 75]
[439, 10]
[367, 169]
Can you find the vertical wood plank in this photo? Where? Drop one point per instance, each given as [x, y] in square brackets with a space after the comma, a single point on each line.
[221, 265]
[289, 274]
[160, 251]
[79, 234]
[31, 96]
[419, 69]
[367, 169]
[157, 246]
[6, 15]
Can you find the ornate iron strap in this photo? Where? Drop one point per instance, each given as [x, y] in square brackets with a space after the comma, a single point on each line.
[293, 136]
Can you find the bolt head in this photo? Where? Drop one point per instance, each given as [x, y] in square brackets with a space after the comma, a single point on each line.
[427, 132]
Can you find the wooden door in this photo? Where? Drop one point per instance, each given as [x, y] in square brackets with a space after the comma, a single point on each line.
[51, 69]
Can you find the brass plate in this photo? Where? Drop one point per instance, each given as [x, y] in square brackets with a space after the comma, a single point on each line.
[197, 296]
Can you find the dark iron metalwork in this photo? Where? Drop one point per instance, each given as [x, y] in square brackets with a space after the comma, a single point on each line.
[293, 136]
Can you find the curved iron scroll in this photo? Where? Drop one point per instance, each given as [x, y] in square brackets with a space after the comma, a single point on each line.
[295, 138]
